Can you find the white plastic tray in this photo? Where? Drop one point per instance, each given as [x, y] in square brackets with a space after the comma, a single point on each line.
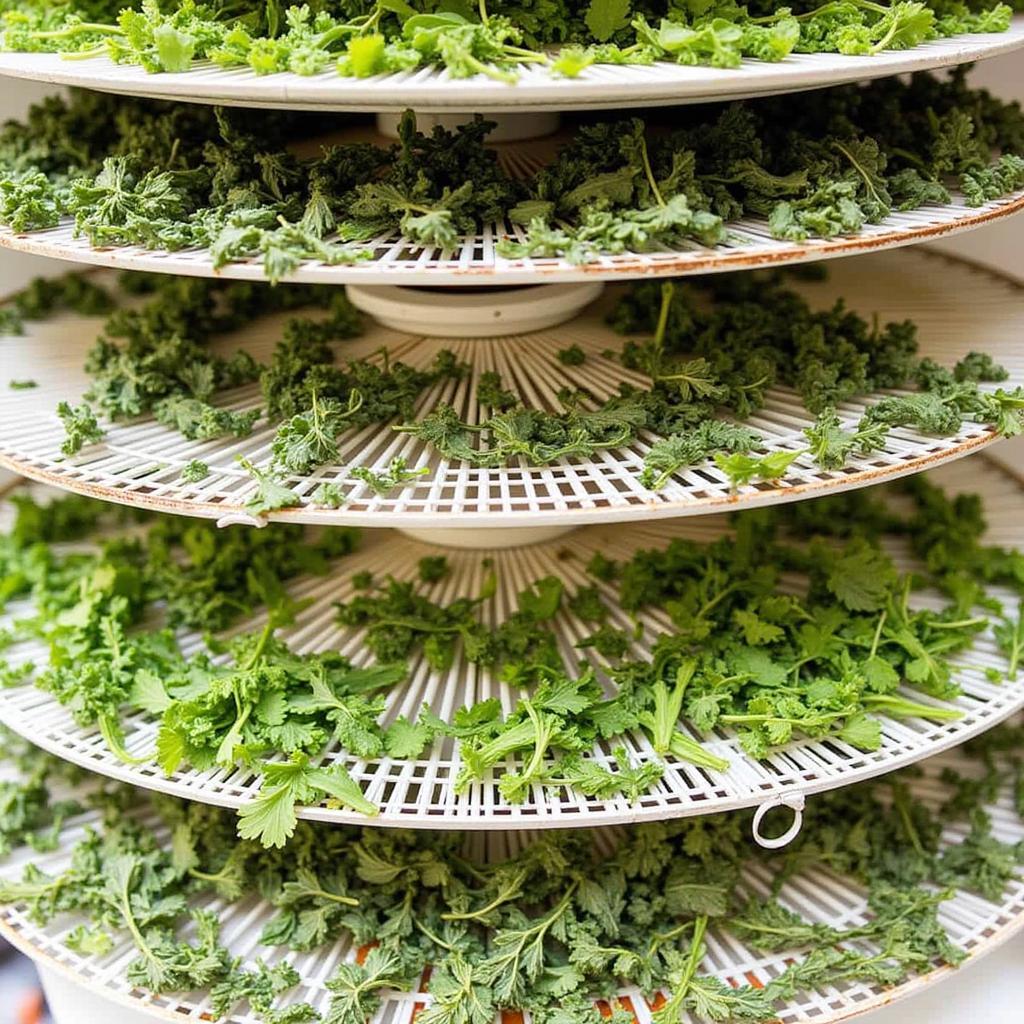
[958, 308]
[420, 793]
[975, 924]
[474, 261]
[434, 90]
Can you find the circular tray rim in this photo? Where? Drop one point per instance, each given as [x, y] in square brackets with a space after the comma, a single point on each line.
[58, 243]
[576, 517]
[602, 87]
[15, 932]
[814, 772]
[143, 493]
[899, 994]
[154, 781]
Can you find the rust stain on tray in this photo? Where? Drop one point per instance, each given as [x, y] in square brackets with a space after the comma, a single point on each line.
[581, 516]
[696, 262]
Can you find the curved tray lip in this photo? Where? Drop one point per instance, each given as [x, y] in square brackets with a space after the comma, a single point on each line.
[453, 272]
[899, 994]
[601, 88]
[596, 515]
[152, 779]
[83, 748]
[576, 517]
[15, 933]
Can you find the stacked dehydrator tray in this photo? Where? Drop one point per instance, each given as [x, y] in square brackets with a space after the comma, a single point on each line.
[631, 696]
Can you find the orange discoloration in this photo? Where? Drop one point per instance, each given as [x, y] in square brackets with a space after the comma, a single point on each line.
[355, 516]
[30, 1008]
[424, 981]
[364, 951]
[626, 1003]
[43, 244]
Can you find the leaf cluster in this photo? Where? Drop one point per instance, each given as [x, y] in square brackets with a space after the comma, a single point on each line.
[173, 176]
[362, 39]
[551, 929]
[743, 652]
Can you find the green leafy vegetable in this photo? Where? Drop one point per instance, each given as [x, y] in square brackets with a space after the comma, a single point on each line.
[551, 926]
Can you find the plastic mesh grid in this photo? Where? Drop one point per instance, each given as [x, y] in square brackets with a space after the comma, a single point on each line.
[958, 308]
[420, 793]
[975, 924]
[397, 260]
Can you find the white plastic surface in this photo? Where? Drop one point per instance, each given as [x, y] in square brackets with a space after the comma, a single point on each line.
[987, 989]
[71, 1002]
[472, 313]
[430, 89]
[957, 308]
[975, 924]
[794, 802]
[421, 793]
[482, 540]
[474, 262]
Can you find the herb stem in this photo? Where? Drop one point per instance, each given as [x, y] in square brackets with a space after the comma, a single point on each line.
[658, 342]
[878, 635]
[79, 28]
[900, 707]
[508, 77]
[125, 908]
[323, 894]
[645, 157]
[204, 876]
[700, 927]
[96, 51]
[504, 896]
[436, 939]
[661, 938]
[900, 803]
[959, 624]
[110, 730]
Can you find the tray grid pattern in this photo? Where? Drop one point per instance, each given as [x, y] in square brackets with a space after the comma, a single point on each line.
[420, 793]
[397, 260]
[140, 462]
[975, 924]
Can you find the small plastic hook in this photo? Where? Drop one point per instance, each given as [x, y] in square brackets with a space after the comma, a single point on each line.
[241, 519]
[795, 802]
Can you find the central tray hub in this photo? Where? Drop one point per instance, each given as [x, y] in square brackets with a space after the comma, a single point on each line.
[493, 538]
[473, 312]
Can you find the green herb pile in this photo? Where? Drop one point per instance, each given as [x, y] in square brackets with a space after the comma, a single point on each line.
[155, 357]
[827, 165]
[168, 176]
[707, 358]
[369, 37]
[552, 930]
[747, 651]
[712, 348]
[704, 358]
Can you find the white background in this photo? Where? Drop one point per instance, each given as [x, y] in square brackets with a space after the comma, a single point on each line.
[990, 991]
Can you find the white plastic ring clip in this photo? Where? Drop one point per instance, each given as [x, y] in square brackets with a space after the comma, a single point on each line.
[795, 802]
[241, 519]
